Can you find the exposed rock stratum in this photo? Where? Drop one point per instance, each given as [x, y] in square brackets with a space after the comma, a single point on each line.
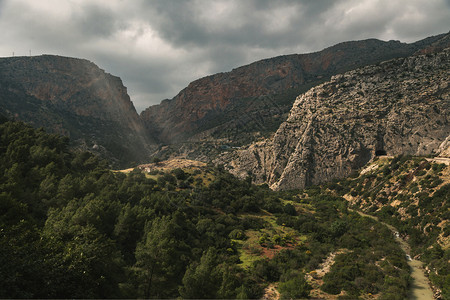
[252, 101]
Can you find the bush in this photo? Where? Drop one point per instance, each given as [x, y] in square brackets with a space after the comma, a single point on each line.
[179, 174]
[295, 288]
[237, 234]
[289, 209]
[331, 288]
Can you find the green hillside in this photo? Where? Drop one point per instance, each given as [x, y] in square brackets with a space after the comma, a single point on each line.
[71, 228]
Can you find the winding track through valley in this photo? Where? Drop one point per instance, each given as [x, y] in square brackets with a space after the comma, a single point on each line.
[420, 287]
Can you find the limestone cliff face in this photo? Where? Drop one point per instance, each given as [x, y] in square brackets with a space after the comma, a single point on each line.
[76, 98]
[254, 100]
[397, 107]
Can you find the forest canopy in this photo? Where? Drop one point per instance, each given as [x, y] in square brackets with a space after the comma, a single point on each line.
[72, 228]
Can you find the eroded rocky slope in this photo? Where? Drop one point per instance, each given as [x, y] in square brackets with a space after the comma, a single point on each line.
[396, 107]
[76, 98]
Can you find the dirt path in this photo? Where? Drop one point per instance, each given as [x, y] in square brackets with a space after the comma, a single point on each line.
[315, 278]
[271, 293]
[440, 160]
[420, 286]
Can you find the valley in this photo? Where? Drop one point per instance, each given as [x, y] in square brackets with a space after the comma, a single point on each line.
[323, 175]
[420, 285]
[269, 241]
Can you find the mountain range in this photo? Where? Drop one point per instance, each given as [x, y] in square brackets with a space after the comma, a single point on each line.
[218, 117]
[251, 100]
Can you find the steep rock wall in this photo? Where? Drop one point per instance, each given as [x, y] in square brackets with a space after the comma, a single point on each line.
[396, 107]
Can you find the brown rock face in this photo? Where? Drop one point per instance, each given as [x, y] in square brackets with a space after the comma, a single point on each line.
[177, 119]
[236, 105]
[397, 107]
[76, 98]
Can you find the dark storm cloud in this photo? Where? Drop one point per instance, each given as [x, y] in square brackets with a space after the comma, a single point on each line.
[158, 47]
[95, 21]
[240, 23]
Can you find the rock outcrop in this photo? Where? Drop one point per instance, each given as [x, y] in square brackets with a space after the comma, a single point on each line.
[252, 101]
[75, 98]
[401, 106]
[444, 148]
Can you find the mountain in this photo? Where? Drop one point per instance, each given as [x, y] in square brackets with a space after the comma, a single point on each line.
[72, 228]
[214, 114]
[396, 107]
[251, 101]
[75, 98]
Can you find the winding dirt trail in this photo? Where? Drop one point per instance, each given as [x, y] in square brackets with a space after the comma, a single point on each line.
[420, 286]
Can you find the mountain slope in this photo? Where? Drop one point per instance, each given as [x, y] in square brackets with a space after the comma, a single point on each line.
[75, 98]
[397, 107]
[251, 101]
[412, 194]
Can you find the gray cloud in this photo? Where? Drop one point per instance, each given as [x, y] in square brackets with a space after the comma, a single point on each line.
[95, 21]
[158, 47]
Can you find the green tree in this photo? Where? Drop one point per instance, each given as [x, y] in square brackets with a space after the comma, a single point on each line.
[202, 280]
[157, 262]
[85, 262]
[93, 264]
[179, 174]
[20, 262]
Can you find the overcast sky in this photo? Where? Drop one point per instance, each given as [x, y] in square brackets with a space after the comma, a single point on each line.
[158, 47]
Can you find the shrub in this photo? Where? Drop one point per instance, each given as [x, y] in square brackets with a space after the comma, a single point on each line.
[237, 234]
[295, 288]
[179, 174]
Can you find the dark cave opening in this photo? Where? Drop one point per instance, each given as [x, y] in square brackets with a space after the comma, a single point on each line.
[380, 152]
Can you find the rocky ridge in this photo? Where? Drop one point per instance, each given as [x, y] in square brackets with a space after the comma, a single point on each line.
[213, 114]
[252, 101]
[76, 98]
[396, 107]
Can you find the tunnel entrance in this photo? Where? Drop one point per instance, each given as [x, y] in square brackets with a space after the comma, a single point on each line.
[380, 152]
[379, 142]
